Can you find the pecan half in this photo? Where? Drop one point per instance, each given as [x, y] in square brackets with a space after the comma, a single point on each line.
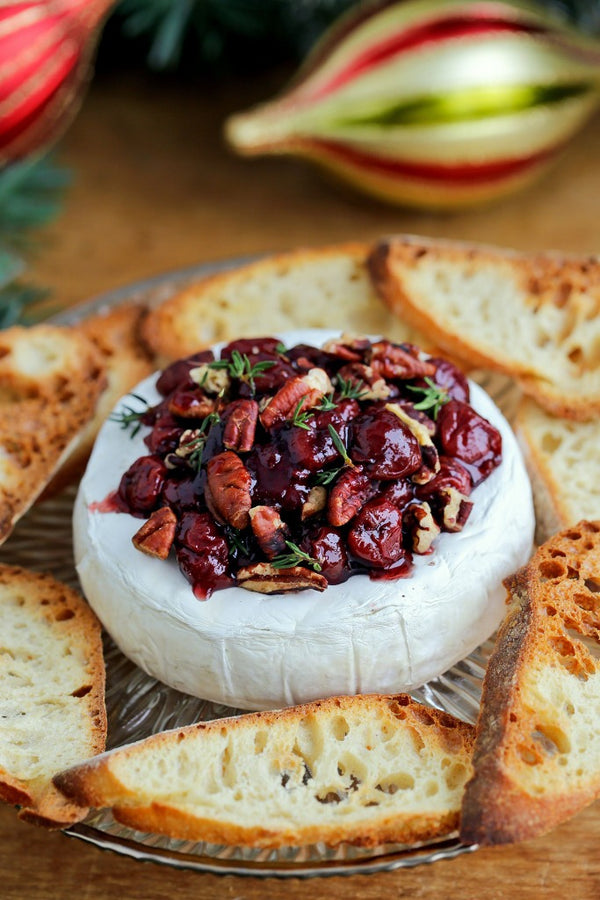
[269, 529]
[392, 361]
[296, 395]
[240, 425]
[349, 494]
[229, 483]
[266, 579]
[422, 527]
[156, 536]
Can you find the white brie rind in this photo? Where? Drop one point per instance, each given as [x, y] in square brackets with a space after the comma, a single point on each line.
[257, 651]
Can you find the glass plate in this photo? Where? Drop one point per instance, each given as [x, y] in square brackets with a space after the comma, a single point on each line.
[138, 705]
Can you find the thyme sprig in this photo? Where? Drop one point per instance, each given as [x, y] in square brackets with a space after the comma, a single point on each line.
[329, 475]
[351, 390]
[193, 449]
[339, 446]
[301, 416]
[434, 396]
[296, 557]
[129, 416]
[237, 545]
[327, 403]
[240, 367]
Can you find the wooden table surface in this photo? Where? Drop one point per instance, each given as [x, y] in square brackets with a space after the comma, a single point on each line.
[154, 190]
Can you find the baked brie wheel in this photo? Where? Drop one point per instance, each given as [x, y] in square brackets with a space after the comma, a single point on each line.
[254, 650]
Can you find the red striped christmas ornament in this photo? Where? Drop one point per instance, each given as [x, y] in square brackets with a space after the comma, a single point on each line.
[433, 104]
[46, 51]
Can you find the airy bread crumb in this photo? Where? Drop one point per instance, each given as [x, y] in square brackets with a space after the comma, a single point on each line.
[365, 769]
[51, 692]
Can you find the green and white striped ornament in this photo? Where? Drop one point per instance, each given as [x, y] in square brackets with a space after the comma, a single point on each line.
[433, 104]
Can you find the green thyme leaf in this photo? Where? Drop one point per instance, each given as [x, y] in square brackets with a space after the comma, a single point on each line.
[351, 390]
[296, 557]
[301, 417]
[237, 544]
[327, 403]
[193, 449]
[240, 367]
[339, 445]
[434, 396]
[327, 476]
[129, 416]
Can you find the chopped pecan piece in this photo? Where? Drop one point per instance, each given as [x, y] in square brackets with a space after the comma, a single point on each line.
[417, 415]
[348, 346]
[266, 579]
[269, 529]
[349, 494]
[157, 534]
[315, 502]
[457, 509]
[240, 425]
[371, 385]
[392, 361]
[422, 527]
[229, 483]
[296, 395]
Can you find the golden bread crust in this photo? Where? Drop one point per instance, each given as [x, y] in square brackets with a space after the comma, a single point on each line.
[326, 287]
[534, 317]
[537, 753]
[305, 751]
[50, 381]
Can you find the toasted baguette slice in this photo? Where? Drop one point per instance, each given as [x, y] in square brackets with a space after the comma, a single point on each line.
[320, 288]
[50, 381]
[563, 460]
[51, 692]
[534, 317]
[366, 769]
[537, 752]
[116, 335]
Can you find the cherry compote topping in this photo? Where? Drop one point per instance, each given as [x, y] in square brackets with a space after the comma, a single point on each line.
[349, 472]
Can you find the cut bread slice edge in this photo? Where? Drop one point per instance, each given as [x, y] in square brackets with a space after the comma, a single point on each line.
[563, 462]
[50, 380]
[534, 317]
[323, 287]
[536, 759]
[52, 710]
[367, 770]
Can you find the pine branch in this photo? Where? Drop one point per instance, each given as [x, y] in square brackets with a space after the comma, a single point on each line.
[217, 34]
[234, 34]
[30, 196]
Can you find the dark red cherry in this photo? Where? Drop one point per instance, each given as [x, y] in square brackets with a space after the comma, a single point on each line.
[463, 433]
[375, 537]
[202, 553]
[384, 445]
[141, 486]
